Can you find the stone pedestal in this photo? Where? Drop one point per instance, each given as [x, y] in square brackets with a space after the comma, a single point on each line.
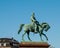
[34, 45]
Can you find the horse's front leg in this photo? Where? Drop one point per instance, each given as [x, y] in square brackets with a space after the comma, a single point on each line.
[28, 36]
[23, 36]
[45, 36]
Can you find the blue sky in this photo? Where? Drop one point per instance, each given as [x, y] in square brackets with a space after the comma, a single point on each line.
[15, 12]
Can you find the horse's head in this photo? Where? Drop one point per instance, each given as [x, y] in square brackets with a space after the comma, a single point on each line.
[45, 26]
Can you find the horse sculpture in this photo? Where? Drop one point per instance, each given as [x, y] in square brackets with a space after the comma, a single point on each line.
[30, 28]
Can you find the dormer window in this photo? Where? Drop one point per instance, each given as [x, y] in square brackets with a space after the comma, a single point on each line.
[3, 40]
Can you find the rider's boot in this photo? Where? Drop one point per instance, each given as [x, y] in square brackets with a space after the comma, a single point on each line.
[35, 29]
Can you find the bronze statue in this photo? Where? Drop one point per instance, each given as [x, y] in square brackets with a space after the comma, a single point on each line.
[34, 27]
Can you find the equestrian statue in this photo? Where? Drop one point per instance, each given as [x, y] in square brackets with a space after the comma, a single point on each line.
[35, 27]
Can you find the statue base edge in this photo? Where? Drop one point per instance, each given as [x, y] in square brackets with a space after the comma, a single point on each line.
[34, 45]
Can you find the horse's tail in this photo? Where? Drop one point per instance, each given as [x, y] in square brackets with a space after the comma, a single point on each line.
[21, 25]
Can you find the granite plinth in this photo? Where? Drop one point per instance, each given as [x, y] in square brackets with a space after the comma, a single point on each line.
[34, 45]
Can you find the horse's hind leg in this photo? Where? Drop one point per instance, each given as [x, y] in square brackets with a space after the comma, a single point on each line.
[45, 36]
[28, 36]
[41, 37]
[23, 36]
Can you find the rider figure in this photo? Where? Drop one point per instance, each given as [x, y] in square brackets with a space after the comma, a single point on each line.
[34, 21]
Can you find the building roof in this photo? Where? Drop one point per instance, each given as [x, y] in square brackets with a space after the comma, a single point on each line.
[10, 40]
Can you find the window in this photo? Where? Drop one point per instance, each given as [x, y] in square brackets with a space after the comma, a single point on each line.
[0, 40]
[0, 44]
[14, 44]
[3, 40]
[4, 44]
